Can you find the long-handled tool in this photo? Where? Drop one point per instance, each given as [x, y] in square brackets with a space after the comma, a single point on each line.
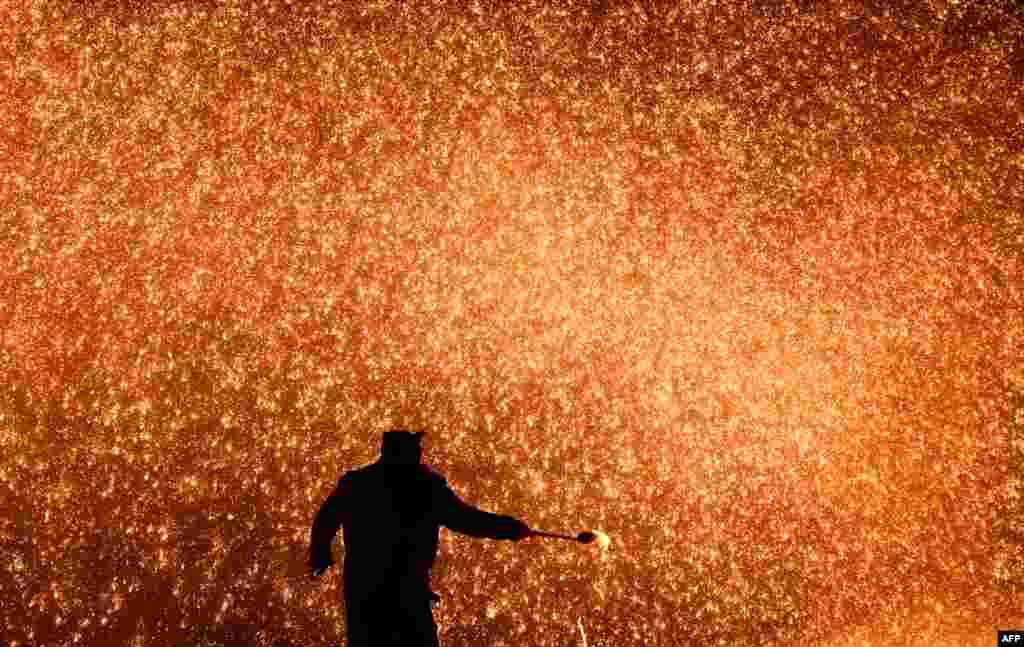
[584, 537]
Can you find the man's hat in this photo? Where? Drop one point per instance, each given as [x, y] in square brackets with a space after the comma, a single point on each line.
[398, 439]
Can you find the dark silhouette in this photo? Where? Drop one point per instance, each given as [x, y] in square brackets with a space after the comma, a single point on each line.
[391, 512]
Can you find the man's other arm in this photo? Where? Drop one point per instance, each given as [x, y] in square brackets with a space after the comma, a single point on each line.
[328, 520]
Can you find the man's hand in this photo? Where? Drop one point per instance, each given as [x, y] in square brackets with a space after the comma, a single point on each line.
[522, 531]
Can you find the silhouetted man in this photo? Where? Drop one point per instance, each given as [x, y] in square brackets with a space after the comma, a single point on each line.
[391, 512]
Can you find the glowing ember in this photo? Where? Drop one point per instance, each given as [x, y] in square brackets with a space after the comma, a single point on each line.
[603, 540]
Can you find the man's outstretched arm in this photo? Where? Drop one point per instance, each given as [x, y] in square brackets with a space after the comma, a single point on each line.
[461, 517]
[325, 526]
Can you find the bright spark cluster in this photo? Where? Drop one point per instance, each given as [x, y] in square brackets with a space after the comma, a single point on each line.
[739, 288]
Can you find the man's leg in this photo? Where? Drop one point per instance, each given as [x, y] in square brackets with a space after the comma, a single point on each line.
[358, 623]
[389, 620]
[422, 628]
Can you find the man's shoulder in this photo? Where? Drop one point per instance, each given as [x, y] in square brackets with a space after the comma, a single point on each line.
[356, 474]
[433, 477]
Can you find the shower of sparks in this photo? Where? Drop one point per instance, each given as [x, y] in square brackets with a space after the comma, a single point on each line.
[741, 286]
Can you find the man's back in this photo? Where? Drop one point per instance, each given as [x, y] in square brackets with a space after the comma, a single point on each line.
[391, 525]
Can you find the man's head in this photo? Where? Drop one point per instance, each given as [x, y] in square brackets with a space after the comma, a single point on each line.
[401, 447]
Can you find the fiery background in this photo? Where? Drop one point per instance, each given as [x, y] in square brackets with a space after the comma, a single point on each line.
[739, 284]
